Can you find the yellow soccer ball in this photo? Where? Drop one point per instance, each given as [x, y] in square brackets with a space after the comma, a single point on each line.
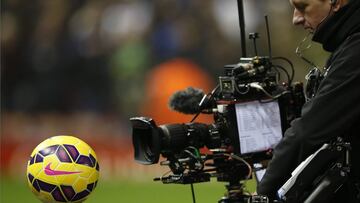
[62, 169]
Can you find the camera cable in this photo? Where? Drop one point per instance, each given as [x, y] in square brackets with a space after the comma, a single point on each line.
[256, 85]
[284, 70]
[238, 158]
[291, 66]
[207, 98]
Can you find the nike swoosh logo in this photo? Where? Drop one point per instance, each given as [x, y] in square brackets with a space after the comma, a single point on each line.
[50, 172]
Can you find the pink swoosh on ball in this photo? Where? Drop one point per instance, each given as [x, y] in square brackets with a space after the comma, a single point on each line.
[50, 172]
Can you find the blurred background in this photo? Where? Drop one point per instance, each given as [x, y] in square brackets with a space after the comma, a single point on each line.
[85, 67]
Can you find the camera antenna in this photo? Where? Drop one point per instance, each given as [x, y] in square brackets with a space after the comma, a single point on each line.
[268, 37]
[242, 26]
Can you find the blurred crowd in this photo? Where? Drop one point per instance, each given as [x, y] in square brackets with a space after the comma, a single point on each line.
[90, 55]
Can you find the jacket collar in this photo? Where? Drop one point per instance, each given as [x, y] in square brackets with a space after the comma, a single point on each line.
[336, 28]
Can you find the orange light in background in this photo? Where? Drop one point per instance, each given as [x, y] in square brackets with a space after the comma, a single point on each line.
[167, 78]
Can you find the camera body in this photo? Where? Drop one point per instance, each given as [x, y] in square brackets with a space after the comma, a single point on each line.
[248, 88]
[235, 84]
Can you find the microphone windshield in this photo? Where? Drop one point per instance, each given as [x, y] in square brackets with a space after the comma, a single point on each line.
[186, 101]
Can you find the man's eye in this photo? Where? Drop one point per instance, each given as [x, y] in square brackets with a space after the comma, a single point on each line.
[301, 7]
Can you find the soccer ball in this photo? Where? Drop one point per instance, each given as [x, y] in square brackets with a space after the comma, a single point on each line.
[62, 169]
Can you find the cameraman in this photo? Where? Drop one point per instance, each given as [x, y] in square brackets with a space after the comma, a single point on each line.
[335, 109]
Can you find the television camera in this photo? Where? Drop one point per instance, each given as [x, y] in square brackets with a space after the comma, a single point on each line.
[237, 143]
[251, 109]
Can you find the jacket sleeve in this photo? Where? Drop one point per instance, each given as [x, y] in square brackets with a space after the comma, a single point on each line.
[333, 111]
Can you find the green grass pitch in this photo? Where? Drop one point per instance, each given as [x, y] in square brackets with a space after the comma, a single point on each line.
[16, 191]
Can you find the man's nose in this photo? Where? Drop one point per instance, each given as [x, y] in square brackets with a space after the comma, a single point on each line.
[298, 18]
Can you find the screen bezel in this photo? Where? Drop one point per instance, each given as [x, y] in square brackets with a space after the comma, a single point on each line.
[234, 131]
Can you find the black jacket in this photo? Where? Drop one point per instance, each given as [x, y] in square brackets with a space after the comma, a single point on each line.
[333, 112]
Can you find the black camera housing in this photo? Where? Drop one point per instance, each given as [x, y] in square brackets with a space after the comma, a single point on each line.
[252, 79]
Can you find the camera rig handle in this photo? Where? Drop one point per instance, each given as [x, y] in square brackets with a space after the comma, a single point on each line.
[319, 176]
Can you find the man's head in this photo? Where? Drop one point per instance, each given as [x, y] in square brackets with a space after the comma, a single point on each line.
[311, 13]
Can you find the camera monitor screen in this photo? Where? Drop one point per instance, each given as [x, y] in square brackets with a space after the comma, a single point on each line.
[259, 125]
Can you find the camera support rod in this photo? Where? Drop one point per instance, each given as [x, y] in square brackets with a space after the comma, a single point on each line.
[242, 26]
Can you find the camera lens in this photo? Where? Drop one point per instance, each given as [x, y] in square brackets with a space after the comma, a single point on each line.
[146, 140]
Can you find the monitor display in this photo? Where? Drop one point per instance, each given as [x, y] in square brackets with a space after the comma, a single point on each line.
[258, 125]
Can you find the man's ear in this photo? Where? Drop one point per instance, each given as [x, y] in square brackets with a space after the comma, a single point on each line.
[337, 4]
